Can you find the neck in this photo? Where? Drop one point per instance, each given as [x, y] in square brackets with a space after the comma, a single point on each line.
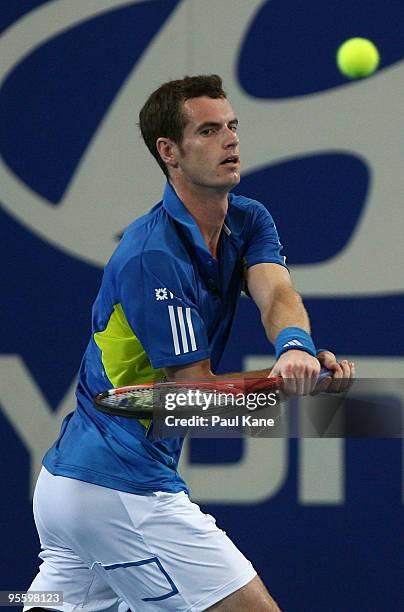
[208, 208]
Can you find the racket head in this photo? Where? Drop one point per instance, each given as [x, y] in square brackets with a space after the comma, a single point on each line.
[143, 401]
[132, 402]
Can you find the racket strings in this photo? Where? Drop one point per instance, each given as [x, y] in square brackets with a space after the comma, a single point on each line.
[154, 395]
[144, 398]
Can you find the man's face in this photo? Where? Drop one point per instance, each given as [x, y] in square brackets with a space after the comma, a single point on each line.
[208, 155]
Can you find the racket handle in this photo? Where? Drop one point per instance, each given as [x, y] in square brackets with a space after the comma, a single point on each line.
[324, 374]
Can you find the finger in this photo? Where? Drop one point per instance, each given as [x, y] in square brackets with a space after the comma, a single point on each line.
[299, 374]
[350, 376]
[346, 374]
[306, 376]
[273, 373]
[327, 359]
[314, 377]
[307, 381]
[290, 386]
[300, 384]
[313, 380]
[337, 374]
[289, 380]
[343, 382]
[308, 373]
[335, 368]
[309, 384]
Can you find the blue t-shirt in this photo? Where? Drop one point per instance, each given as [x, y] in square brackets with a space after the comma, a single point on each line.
[164, 301]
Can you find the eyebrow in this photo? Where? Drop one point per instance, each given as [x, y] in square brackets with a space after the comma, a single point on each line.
[215, 124]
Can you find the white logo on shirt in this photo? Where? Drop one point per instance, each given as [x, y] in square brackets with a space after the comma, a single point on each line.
[162, 293]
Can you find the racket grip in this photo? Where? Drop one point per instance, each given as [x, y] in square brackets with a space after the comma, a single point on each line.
[323, 374]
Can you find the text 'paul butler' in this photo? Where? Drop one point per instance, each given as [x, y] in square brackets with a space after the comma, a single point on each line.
[247, 420]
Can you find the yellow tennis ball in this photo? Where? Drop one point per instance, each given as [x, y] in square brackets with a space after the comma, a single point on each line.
[358, 58]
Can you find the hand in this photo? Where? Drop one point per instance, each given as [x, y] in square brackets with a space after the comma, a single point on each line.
[299, 370]
[343, 374]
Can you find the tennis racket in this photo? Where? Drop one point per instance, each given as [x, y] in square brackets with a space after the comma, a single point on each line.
[143, 401]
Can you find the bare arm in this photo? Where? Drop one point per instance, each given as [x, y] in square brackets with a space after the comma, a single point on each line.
[201, 370]
[280, 305]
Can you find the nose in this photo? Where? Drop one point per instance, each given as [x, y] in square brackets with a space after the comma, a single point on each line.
[231, 138]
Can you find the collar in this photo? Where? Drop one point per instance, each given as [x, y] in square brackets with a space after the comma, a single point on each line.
[176, 209]
[233, 223]
[208, 266]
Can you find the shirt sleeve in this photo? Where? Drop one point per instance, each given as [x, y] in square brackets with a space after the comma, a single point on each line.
[263, 245]
[159, 304]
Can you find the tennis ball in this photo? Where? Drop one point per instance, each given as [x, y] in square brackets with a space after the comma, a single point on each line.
[357, 58]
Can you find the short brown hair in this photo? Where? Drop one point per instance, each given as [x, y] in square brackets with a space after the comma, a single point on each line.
[162, 113]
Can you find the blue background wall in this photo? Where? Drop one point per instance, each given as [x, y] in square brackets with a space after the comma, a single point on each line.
[323, 153]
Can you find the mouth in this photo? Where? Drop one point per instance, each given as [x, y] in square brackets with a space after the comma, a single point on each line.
[232, 160]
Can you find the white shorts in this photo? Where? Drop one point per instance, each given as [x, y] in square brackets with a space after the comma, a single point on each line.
[114, 551]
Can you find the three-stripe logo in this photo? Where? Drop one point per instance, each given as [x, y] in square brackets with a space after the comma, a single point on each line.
[182, 329]
[293, 343]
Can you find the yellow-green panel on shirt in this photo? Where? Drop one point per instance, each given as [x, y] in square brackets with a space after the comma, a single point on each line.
[123, 356]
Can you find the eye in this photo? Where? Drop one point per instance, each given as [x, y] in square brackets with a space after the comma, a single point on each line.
[207, 131]
[233, 127]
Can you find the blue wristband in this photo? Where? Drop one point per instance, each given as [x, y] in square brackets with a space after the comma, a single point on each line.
[294, 338]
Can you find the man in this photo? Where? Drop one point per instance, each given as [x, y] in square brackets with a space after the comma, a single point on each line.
[116, 525]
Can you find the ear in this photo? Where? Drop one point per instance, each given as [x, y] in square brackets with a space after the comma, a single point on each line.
[167, 150]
